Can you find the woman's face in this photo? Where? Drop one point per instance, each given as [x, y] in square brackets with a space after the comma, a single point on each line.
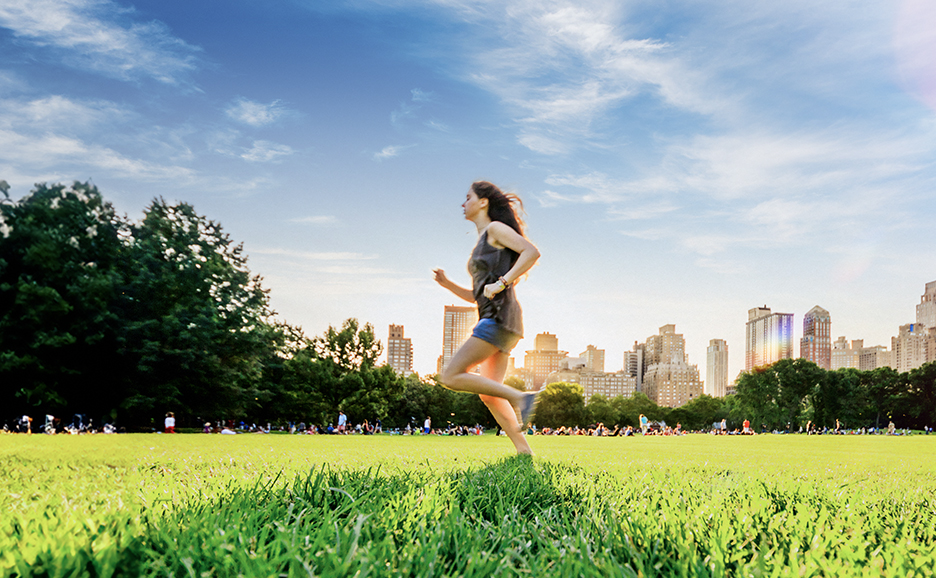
[473, 205]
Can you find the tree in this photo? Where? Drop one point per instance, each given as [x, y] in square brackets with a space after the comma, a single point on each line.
[600, 410]
[561, 404]
[922, 392]
[347, 376]
[700, 413]
[196, 320]
[630, 408]
[59, 250]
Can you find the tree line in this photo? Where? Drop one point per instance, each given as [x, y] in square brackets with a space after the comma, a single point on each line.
[125, 320]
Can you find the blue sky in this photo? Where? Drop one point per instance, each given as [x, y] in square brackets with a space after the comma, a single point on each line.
[680, 162]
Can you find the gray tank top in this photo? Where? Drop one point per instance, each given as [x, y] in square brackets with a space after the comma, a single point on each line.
[487, 263]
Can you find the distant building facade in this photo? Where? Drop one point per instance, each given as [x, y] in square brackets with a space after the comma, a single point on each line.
[456, 329]
[816, 343]
[873, 357]
[768, 337]
[633, 363]
[594, 358]
[544, 358]
[667, 378]
[399, 351]
[609, 385]
[845, 354]
[909, 348]
[926, 310]
[716, 368]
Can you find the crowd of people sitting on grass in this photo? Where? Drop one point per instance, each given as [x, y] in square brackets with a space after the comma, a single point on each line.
[80, 424]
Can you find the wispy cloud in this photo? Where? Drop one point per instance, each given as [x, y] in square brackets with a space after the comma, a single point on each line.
[101, 36]
[265, 151]
[59, 152]
[391, 151]
[316, 220]
[326, 256]
[420, 95]
[255, 114]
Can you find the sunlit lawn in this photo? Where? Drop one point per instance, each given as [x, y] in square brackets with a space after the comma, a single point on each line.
[266, 505]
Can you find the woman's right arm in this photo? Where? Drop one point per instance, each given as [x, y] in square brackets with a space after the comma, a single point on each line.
[458, 290]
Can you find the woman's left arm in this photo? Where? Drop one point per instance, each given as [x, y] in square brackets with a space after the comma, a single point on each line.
[504, 236]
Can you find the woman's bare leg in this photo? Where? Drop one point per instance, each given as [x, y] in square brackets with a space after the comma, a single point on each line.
[494, 368]
[474, 352]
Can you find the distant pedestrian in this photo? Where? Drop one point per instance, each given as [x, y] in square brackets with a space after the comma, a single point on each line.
[169, 423]
[427, 425]
[644, 424]
[746, 424]
[342, 422]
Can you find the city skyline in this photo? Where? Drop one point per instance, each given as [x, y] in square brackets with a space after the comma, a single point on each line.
[924, 310]
[680, 163]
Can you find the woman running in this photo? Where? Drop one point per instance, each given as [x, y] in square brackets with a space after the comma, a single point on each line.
[503, 254]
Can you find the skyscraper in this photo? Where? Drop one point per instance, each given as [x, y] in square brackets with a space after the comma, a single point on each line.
[399, 351]
[909, 347]
[768, 337]
[926, 310]
[544, 358]
[716, 368]
[594, 358]
[816, 343]
[459, 321]
[633, 363]
[668, 378]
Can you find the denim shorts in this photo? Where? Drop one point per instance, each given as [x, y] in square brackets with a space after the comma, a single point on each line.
[490, 331]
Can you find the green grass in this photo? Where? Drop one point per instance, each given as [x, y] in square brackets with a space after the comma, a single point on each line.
[254, 505]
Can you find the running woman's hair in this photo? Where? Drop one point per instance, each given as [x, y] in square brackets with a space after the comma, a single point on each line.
[503, 207]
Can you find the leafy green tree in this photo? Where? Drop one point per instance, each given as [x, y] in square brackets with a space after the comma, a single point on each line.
[882, 388]
[601, 410]
[840, 397]
[798, 379]
[59, 250]
[922, 392]
[630, 408]
[758, 396]
[195, 318]
[561, 404]
[348, 378]
[700, 413]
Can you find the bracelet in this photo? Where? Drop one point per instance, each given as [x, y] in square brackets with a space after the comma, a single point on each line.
[503, 281]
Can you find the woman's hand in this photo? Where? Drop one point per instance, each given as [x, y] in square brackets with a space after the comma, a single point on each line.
[492, 289]
[440, 278]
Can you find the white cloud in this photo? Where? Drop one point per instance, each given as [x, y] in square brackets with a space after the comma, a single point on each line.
[420, 95]
[59, 113]
[266, 151]
[255, 113]
[391, 151]
[99, 35]
[327, 256]
[316, 220]
[41, 152]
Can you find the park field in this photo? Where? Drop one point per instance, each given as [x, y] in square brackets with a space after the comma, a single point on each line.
[277, 505]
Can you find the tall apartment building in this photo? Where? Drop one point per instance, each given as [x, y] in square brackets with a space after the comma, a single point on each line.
[633, 363]
[456, 329]
[544, 358]
[816, 343]
[594, 358]
[399, 351]
[610, 385]
[873, 357]
[716, 368]
[846, 354]
[768, 337]
[668, 379]
[672, 384]
[926, 310]
[909, 348]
